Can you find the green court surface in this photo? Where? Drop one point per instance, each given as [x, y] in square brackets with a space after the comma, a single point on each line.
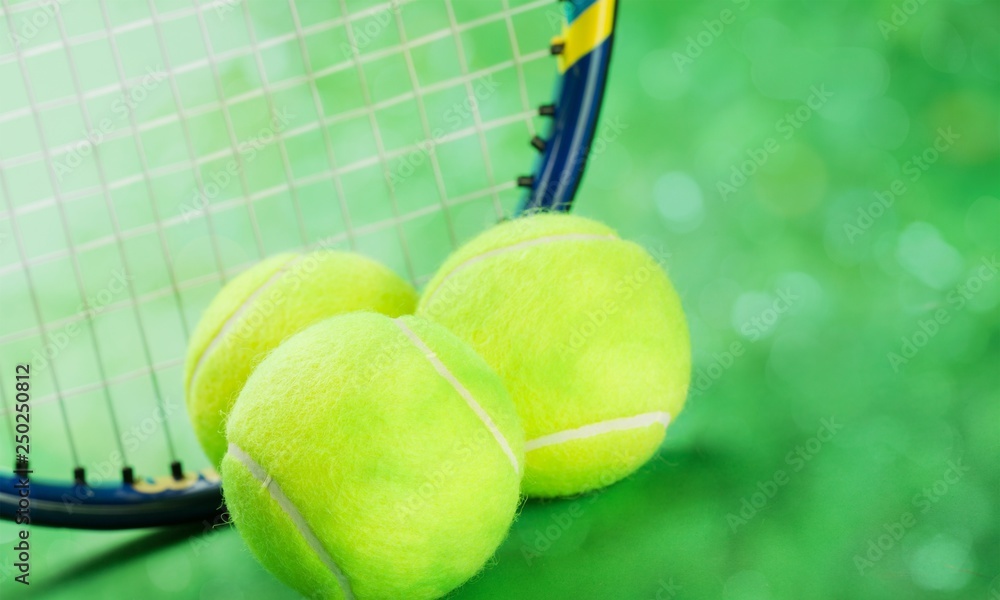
[822, 176]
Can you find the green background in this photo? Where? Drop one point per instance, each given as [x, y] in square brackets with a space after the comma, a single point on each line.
[847, 349]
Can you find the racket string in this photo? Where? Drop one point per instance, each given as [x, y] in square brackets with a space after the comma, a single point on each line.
[227, 118]
[519, 65]
[345, 213]
[477, 117]
[140, 147]
[98, 354]
[279, 137]
[379, 142]
[425, 126]
[256, 196]
[78, 277]
[177, 286]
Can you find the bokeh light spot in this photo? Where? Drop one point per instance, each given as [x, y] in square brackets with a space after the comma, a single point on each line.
[854, 75]
[679, 200]
[923, 253]
[717, 298]
[943, 563]
[982, 220]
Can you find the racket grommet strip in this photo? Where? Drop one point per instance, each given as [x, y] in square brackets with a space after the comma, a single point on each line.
[79, 476]
[547, 110]
[526, 181]
[128, 475]
[538, 143]
[176, 471]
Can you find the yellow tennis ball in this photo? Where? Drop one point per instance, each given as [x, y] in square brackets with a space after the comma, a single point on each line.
[588, 335]
[266, 304]
[372, 457]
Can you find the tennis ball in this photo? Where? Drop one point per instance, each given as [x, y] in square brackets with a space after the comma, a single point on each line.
[372, 457]
[588, 335]
[255, 311]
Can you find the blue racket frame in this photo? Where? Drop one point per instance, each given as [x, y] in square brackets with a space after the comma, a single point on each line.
[586, 44]
[145, 503]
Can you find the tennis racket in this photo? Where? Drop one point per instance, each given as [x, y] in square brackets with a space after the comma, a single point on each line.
[151, 150]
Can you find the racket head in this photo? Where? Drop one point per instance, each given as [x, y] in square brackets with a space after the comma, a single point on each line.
[318, 153]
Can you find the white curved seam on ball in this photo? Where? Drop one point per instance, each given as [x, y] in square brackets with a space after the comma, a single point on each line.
[231, 321]
[286, 505]
[600, 428]
[580, 237]
[464, 393]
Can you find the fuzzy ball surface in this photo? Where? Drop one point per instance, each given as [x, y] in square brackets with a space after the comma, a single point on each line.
[372, 457]
[266, 304]
[588, 335]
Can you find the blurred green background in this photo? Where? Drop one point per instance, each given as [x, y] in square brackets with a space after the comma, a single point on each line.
[825, 179]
